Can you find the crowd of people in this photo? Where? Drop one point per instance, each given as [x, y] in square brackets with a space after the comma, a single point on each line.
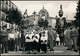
[71, 36]
[9, 40]
[46, 38]
[39, 39]
[36, 39]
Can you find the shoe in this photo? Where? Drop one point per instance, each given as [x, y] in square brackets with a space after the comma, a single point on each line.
[51, 50]
[75, 50]
[28, 52]
[68, 49]
[6, 52]
[45, 51]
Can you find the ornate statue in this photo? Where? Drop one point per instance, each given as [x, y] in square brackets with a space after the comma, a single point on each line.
[61, 24]
[61, 11]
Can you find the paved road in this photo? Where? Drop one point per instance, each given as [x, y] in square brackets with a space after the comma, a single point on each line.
[58, 50]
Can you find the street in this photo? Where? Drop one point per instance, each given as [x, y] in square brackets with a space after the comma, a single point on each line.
[30, 28]
[58, 50]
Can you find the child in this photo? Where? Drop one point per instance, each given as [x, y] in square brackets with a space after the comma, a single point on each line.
[57, 40]
[35, 38]
[44, 41]
[28, 41]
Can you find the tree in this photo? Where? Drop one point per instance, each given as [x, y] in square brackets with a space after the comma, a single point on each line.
[76, 22]
[15, 16]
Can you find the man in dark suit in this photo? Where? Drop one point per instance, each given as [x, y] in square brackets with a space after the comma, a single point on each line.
[0, 41]
[4, 40]
[73, 34]
[78, 39]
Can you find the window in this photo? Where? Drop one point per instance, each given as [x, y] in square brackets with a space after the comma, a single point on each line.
[6, 2]
[3, 0]
[10, 4]
[2, 6]
[5, 6]
[6, 9]
[3, 16]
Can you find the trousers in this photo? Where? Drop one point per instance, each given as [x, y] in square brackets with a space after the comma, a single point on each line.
[74, 42]
[4, 46]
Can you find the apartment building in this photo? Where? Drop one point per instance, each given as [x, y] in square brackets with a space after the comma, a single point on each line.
[5, 6]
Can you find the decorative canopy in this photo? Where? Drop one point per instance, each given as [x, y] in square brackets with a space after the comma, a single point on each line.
[43, 10]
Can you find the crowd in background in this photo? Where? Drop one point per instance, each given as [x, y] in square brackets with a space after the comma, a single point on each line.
[71, 36]
[36, 39]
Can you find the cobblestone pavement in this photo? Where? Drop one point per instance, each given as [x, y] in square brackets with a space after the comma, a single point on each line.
[58, 50]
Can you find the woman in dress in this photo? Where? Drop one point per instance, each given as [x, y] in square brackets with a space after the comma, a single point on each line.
[57, 40]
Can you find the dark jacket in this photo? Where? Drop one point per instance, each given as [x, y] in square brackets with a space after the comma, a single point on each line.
[78, 39]
[0, 36]
[73, 33]
[4, 35]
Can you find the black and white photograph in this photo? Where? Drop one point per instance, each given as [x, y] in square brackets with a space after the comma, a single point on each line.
[39, 27]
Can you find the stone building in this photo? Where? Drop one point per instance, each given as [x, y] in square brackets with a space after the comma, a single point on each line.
[5, 6]
[42, 14]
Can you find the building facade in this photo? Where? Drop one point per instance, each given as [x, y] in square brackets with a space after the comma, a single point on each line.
[5, 6]
[42, 14]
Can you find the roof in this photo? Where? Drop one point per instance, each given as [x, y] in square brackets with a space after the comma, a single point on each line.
[43, 10]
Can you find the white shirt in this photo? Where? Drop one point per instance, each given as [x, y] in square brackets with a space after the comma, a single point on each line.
[28, 38]
[46, 34]
[11, 35]
[57, 38]
[44, 38]
[36, 39]
[17, 34]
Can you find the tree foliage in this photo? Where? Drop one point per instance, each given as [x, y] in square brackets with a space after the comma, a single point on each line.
[15, 16]
[76, 22]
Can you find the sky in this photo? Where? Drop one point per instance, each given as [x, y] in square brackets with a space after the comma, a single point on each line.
[53, 7]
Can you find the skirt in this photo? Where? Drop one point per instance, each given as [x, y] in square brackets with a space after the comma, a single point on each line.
[43, 47]
[35, 45]
[28, 46]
